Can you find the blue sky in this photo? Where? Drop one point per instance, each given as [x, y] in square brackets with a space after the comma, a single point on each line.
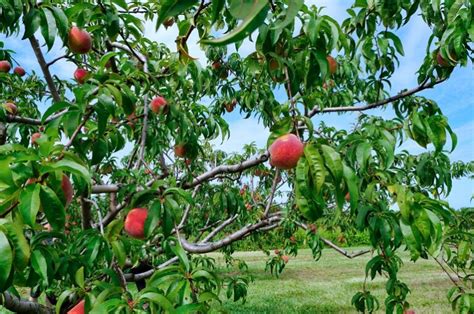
[455, 97]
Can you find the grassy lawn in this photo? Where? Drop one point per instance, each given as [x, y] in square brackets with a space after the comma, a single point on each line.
[327, 286]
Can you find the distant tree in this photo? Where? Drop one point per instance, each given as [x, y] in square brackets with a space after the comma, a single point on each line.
[117, 181]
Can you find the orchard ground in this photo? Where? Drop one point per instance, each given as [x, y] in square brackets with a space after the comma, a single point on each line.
[327, 286]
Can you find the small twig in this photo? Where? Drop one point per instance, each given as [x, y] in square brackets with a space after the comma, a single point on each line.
[453, 280]
[78, 129]
[187, 210]
[401, 95]
[335, 247]
[99, 214]
[119, 272]
[272, 193]
[55, 60]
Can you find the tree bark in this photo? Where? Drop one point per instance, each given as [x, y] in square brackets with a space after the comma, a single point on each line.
[17, 305]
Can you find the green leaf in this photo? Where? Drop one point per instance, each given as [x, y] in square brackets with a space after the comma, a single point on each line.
[396, 41]
[40, 266]
[54, 108]
[181, 254]
[30, 203]
[404, 201]
[32, 21]
[119, 252]
[65, 295]
[333, 162]
[180, 193]
[53, 208]
[62, 21]
[79, 277]
[173, 8]
[352, 182]
[99, 151]
[363, 153]
[253, 19]
[303, 195]
[410, 240]
[293, 8]
[48, 27]
[20, 245]
[217, 6]
[6, 260]
[158, 299]
[69, 165]
[153, 218]
[316, 166]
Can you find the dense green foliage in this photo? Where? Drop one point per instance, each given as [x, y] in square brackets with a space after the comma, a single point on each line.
[118, 151]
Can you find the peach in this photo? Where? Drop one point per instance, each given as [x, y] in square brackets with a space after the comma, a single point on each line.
[80, 41]
[285, 258]
[68, 191]
[19, 71]
[78, 308]
[5, 66]
[286, 151]
[135, 222]
[441, 61]
[158, 104]
[216, 65]
[34, 137]
[332, 64]
[180, 150]
[80, 75]
[11, 108]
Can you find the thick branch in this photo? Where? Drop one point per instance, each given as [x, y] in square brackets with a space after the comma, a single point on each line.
[112, 188]
[148, 273]
[342, 251]
[86, 212]
[24, 120]
[219, 228]
[17, 305]
[381, 103]
[209, 247]
[227, 169]
[44, 67]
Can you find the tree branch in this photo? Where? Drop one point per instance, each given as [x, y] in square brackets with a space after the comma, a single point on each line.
[17, 305]
[55, 60]
[86, 212]
[335, 247]
[112, 188]
[383, 102]
[219, 228]
[186, 211]
[227, 169]
[44, 67]
[209, 247]
[342, 251]
[272, 193]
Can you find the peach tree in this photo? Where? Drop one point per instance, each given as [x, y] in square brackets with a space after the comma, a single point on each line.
[112, 186]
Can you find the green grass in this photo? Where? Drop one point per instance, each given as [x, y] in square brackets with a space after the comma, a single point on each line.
[327, 286]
